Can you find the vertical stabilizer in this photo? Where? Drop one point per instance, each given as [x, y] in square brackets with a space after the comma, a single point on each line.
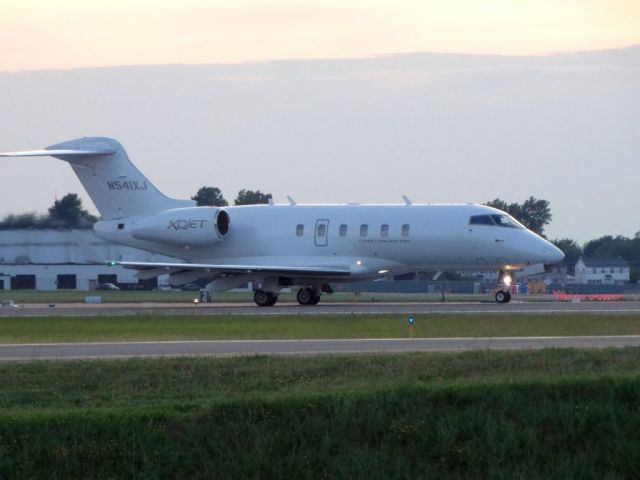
[116, 187]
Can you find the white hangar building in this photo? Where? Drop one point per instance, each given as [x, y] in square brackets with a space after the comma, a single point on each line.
[602, 271]
[67, 259]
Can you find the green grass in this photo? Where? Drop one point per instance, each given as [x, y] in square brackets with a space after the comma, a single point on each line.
[543, 414]
[200, 327]
[94, 385]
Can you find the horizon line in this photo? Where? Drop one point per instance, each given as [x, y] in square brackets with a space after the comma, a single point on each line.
[374, 56]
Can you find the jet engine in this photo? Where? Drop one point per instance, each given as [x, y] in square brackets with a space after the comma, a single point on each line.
[192, 226]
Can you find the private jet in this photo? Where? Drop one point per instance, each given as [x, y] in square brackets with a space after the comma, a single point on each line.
[291, 245]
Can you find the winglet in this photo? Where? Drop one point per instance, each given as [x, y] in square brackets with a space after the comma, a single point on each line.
[407, 200]
[291, 200]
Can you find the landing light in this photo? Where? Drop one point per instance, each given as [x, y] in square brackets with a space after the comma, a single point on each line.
[359, 262]
[506, 279]
[381, 272]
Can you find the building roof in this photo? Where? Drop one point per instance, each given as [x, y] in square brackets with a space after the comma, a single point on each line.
[601, 262]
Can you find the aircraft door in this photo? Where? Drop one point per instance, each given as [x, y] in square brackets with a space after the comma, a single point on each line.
[322, 233]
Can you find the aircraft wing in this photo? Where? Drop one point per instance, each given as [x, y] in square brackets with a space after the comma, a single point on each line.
[315, 271]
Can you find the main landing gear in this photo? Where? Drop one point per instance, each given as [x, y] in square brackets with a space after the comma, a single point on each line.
[308, 296]
[305, 296]
[264, 298]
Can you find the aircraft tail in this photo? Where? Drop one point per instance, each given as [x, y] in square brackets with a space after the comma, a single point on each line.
[116, 187]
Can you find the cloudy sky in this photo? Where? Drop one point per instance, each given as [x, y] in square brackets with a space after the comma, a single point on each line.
[445, 101]
[37, 34]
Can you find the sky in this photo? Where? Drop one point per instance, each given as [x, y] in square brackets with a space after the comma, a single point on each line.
[44, 34]
[456, 101]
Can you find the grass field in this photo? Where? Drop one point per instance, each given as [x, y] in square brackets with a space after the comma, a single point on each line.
[540, 414]
[543, 414]
[191, 327]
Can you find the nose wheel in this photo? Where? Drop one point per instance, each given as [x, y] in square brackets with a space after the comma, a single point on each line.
[503, 296]
[504, 282]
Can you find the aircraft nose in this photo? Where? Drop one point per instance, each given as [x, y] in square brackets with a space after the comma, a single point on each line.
[552, 254]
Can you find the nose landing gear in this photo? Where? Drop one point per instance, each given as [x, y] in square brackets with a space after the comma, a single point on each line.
[503, 295]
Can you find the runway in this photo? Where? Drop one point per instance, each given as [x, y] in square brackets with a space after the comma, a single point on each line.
[512, 308]
[25, 352]
[61, 351]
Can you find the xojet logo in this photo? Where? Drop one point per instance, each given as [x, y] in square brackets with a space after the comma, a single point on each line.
[185, 224]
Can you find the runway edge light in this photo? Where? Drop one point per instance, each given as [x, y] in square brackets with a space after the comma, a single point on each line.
[411, 320]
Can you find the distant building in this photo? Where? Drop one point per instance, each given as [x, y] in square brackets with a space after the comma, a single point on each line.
[559, 273]
[66, 259]
[602, 271]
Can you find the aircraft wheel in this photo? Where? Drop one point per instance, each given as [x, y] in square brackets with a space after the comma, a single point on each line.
[264, 299]
[501, 296]
[508, 297]
[307, 296]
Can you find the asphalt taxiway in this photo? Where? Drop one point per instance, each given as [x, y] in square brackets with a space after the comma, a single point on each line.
[62, 351]
[512, 308]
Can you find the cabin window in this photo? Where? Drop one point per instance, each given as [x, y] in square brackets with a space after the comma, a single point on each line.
[405, 230]
[343, 230]
[121, 226]
[364, 229]
[384, 230]
[299, 230]
[322, 230]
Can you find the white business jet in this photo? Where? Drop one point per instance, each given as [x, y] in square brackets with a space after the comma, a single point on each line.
[291, 245]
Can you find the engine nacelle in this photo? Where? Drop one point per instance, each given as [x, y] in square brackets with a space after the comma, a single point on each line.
[192, 226]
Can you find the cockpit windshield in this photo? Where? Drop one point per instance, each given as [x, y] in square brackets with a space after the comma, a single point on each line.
[496, 219]
[506, 221]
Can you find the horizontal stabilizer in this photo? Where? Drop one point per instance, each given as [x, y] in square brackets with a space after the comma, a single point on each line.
[57, 153]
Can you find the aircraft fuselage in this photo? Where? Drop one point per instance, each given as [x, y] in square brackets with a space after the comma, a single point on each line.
[373, 240]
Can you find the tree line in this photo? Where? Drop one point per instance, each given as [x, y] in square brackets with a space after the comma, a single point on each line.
[212, 197]
[64, 213]
[68, 212]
